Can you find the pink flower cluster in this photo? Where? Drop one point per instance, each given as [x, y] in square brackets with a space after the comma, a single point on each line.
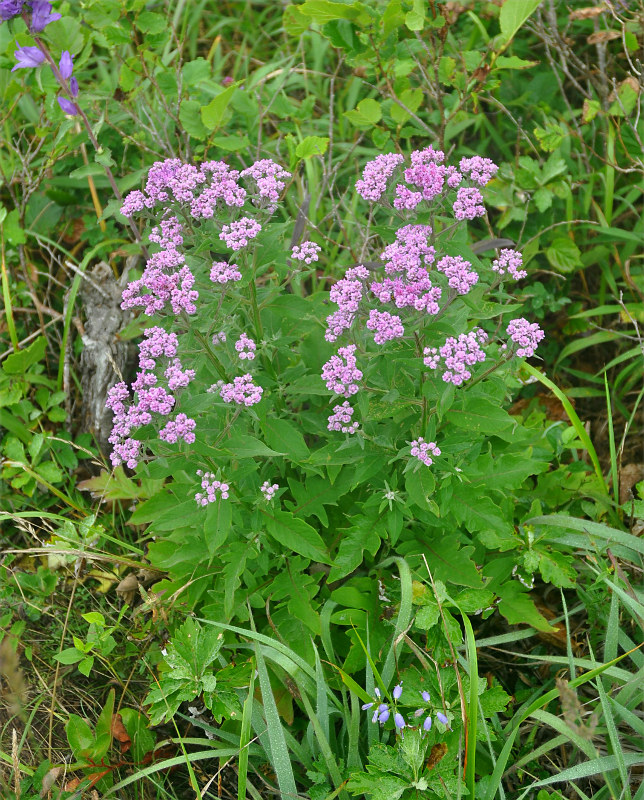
[479, 170]
[458, 273]
[245, 347]
[428, 179]
[224, 273]
[240, 232]
[151, 398]
[211, 488]
[241, 391]
[269, 180]
[168, 234]
[219, 338]
[157, 286]
[421, 450]
[341, 376]
[409, 254]
[181, 427]
[385, 326]
[269, 490]
[468, 204]
[206, 188]
[457, 355]
[306, 252]
[526, 334]
[375, 175]
[347, 294]
[509, 261]
[340, 420]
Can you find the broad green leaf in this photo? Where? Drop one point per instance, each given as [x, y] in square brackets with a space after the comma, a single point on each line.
[296, 535]
[551, 137]
[563, 254]
[69, 656]
[415, 19]
[151, 22]
[366, 114]
[244, 446]
[518, 608]
[80, 737]
[283, 435]
[352, 546]
[312, 146]
[18, 363]
[513, 14]
[212, 115]
[449, 562]
[217, 524]
[323, 11]
[513, 62]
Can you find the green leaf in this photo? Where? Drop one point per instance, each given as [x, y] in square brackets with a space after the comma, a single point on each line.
[85, 666]
[415, 19]
[513, 62]
[69, 656]
[352, 546]
[323, 11]
[190, 118]
[312, 146]
[518, 608]
[449, 562]
[150, 22]
[590, 110]
[212, 115]
[480, 416]
[136, 725]
[217, 524]
[366, 114]
[513, 14]
[94, 618]
[18, 363]
[420, 486]
[80, 737]
[551, 137]
[283, 435]
[296, 535]
[244, 446]
[411, 98]
[427, 616]
[104, 729]
[563, 254]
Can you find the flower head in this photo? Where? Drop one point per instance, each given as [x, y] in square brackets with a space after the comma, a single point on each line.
[66, 65]
[41, 15]
[28, 57]
[10, 9]
[399, 721]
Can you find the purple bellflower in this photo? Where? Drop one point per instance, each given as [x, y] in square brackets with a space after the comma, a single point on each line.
[28, 57]
[399, 721]
[442, 718]
[427, 725]
[10, 9]
[66, 65]
[67, 106]
[42, 15]
[397, 691]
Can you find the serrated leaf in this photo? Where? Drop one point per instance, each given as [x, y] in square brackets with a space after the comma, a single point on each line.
[312, 146]
[296, 535]
[563, 254]
[518, 608]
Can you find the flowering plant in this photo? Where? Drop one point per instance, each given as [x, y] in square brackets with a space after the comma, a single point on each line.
[279, 429]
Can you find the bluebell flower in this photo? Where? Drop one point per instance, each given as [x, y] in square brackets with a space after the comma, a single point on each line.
[397, 691]
[73, 86]
[427, 725]
[376, 691]
[425, 696]
[399, 721]
[442, 718]
[383, 708]
[67, 105]
[366, 706]
[42, 15]
[28, 57]
[66, 65]
[10, 9]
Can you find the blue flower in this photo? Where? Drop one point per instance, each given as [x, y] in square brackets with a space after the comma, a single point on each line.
[425, 696]
[442, 718]
[66, 65]
[28, 57]
[42, 15]
[399, 721]
[427, 724]
[10, 9]
[366, 706]
[383, 708]
[397, 691]
[67, 106]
